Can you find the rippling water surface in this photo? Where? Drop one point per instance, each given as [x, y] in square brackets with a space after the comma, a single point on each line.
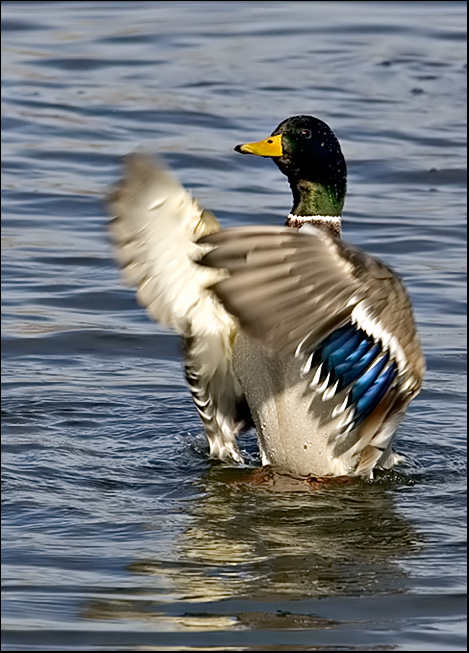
[119, 533]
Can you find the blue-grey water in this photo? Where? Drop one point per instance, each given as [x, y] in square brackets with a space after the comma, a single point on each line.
[119, 532]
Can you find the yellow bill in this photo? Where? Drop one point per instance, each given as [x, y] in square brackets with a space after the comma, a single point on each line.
[271, 146]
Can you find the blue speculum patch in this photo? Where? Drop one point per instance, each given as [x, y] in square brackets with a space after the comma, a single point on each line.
[357, 361]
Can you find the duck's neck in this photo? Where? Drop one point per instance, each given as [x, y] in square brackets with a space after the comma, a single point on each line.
[317, 205]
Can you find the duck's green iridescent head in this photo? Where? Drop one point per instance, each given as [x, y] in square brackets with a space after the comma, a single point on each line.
[307, 151]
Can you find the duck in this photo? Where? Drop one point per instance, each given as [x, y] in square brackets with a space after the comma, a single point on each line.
[288, 328]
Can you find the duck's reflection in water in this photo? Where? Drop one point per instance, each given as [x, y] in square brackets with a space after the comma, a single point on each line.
[260, 540]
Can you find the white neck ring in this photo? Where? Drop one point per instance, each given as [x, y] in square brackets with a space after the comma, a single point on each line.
[335, 219]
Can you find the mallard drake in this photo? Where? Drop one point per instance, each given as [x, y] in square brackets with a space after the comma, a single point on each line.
[310, 337]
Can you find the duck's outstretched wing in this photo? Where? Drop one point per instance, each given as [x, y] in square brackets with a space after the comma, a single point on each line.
[155, 231]
[344, 314]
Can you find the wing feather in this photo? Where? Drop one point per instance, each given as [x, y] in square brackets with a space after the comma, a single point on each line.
[337, 282]
[155, 229]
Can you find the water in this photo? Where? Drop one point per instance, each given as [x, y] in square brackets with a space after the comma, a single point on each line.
[118, 532]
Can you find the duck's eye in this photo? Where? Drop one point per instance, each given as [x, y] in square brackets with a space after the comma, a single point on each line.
[306, 133]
